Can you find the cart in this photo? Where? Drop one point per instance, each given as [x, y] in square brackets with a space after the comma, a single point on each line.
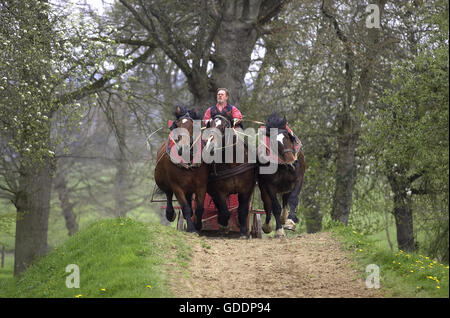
[209, 219]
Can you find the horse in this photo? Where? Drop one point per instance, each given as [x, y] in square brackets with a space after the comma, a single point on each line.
[290, 172]
[182, 178]
[227, 178]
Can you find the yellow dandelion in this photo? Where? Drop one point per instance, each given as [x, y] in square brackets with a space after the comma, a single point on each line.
[411, 271]
[438, 287]
[78, 296]
[148, 286]
[103, 289]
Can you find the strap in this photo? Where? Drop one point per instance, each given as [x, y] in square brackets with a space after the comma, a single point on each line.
[224, 174]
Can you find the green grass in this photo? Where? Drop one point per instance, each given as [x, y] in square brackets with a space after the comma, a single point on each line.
[402, 274]
[115, 257]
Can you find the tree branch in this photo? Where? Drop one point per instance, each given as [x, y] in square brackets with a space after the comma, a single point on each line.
[99, 84]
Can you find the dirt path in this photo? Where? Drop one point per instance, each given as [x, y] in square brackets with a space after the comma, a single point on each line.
[311, 265]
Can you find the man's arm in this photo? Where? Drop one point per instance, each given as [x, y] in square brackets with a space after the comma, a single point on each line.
[236, 115]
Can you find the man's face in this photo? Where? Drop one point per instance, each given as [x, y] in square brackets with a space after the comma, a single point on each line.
[222, 97]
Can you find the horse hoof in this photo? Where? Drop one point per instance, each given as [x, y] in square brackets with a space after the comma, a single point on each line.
[193, 233]
[289, 225]
[224, 229]
[170, 216]
[266, 228]
[280, 233]
[294, 218]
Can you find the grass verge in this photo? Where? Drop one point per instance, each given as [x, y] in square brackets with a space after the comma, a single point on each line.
[115, 257]
[402, 274]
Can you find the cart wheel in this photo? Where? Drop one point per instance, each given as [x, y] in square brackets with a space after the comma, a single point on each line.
[257, 228]
[180, 223]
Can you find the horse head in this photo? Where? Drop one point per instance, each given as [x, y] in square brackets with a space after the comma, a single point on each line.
[185, 119]
[218, 125]
[285, 140]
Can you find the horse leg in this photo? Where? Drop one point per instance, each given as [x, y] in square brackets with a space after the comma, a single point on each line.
[286, 219]
[244, 199]
[223, 213]
[276, 210]
[267, 208]
[170, 212]
[186, 207]
[199, 202]
[293, 200]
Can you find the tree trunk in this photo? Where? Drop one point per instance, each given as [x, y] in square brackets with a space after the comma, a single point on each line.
[33, 205]
[313, 217]
[354, 102]
[234, 44]
[402, 212]
[121, 182]
[120, 187]
[345, 171]
[60, 185]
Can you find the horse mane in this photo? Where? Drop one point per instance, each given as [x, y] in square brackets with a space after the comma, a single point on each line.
[275, 121]
[182, 110]
[195, 114]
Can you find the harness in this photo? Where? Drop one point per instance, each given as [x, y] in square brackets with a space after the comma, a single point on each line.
[298, 146]
[215, 175]
[214, 111]
[172, 153]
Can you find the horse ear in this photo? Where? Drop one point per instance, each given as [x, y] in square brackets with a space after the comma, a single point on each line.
[178, 111]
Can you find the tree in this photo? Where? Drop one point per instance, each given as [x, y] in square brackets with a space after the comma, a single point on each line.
[46, 65]
[410, 134]
[210, 41]
[361, 53]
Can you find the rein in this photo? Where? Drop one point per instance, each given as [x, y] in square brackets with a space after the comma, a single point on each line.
[184, 165]
[280, 161]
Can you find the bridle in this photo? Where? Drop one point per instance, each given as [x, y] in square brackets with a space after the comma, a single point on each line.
[191, 144]
[227, 121]
[283, 131]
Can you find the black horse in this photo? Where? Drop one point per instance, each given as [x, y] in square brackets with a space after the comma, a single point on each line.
[227, 178]
[290, 172]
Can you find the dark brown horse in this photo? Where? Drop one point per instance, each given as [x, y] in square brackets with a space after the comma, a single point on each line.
[179, 177]
[228, 175]
[290, 172]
